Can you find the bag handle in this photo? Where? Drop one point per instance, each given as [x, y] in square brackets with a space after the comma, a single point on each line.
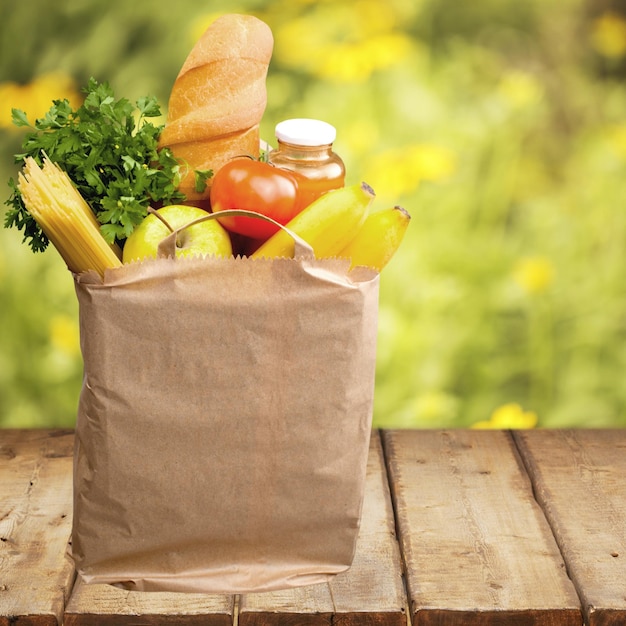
[167, 246]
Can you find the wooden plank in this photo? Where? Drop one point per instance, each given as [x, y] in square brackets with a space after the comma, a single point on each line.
[105, 605]
[35, 525]
[477, 547]
[370, 593]
[579, 478]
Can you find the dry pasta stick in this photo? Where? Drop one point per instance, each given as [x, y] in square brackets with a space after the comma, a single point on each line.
[67, 220]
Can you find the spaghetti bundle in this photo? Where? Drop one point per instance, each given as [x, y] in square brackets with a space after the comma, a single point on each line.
[67, 220]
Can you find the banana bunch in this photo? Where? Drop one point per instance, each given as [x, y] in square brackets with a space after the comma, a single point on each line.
[340, 224]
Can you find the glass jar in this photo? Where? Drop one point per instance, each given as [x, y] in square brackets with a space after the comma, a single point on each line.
[305, 146]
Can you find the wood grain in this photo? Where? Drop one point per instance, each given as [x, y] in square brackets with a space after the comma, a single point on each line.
[580, 480]
[104, 605]
[477, 547]
[35, 525]
[370, 593]
[490, 523]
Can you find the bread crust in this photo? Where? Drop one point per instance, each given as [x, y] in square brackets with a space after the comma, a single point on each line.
[212, 154]
[219, 97]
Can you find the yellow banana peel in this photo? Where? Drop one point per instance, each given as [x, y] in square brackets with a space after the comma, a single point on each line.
[378, 239]
[327, 225]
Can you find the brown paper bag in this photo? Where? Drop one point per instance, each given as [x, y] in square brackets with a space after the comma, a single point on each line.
[224, 422]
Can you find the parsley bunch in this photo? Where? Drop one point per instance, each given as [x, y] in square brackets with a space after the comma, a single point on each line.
[109, 150]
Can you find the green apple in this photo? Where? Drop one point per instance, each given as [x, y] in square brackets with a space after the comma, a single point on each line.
[206, 238]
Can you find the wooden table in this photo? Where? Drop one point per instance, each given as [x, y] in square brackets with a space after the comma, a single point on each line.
[459, 527]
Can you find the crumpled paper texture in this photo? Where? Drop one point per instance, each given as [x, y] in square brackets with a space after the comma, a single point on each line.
[223, 424]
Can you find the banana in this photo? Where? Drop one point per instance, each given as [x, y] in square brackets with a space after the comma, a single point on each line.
[327, 225]
[377, 240]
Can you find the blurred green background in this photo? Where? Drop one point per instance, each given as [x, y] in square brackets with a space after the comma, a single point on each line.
[500, 125]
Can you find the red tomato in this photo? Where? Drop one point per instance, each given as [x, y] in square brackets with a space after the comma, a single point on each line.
[244, 183]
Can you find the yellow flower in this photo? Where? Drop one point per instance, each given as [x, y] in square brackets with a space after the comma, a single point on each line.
[64, 335]
[202, 22]
[616, 137]
[367, 18]
[355, 62]
[608, 35]
[11, 96]
[399, 171]
[36, 97]
[534, 274]
[342, 42]
[431, 162]
[508, 416]
[520, 89]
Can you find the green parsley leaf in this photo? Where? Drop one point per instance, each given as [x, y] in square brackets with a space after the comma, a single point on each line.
[109, 150]
[19, 118]
[18, 217]
[148, 106]
[200, 179]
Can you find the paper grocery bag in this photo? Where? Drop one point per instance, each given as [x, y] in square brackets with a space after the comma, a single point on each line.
[224, 422]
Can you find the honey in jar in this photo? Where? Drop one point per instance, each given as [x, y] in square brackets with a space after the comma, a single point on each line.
[305, 146]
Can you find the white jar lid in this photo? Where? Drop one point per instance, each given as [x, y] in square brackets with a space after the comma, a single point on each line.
[305, 132]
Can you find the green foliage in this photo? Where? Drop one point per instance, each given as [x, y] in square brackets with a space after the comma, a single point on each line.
[499, 125]
[111, 157]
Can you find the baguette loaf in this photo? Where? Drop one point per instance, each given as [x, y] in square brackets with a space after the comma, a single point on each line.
[218, 98]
